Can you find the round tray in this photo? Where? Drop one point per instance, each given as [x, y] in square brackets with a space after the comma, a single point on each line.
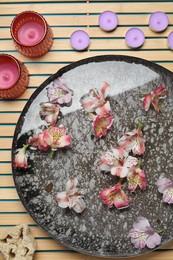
[99, 230]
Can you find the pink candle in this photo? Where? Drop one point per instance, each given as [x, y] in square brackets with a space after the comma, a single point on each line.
[9, 74]
[158, 21]
[14, 77]
[30, 33]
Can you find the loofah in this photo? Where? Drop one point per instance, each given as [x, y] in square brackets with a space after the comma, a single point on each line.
[17, 243]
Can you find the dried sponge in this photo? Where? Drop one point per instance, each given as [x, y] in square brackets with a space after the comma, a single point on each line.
[17, 243]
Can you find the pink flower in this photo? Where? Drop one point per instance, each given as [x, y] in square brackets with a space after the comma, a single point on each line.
[95, 100]
[118, 162]
[133, 141]
[50, 112]
[72, 197]
[153, 98]
[42, 144]
[21, 160]
[55, 137]
[115, 196]
[136, 177]
[59, 93]
[102, 124]
[33, 142]
[142, 234]
[38, 142]
[165, 186]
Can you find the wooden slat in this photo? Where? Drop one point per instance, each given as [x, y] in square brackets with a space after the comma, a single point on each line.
[4, 131]
[14, 206]
[6, 181]
[49, 245]
[94, 32]
[100, 44]
[88, 20]
[87, 8]
[44, 68]
[73, 56]
[9, 119]
[167, 66]
[36, 80]
[11, 106]
[76, 256]
[10, 194]
[5, 168]
[5, 156]
[5, 143]
[16, 219]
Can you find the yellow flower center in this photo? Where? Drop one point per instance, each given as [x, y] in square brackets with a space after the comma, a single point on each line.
[101, 124]
[134, 180]
[57, 135]
[111, 197]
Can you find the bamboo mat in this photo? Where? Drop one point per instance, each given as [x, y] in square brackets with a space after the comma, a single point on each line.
[65, 17]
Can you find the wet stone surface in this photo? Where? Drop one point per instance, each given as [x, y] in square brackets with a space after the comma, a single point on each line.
[100, 230]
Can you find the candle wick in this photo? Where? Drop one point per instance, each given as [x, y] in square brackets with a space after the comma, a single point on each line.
[31, 35]
[158, 22]
[80, 41]
[109, 20]
[135, 38]
[5, 77]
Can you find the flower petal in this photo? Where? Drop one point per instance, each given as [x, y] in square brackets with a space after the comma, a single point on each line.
[104, 109]
[42, 144]
[121, 200]
[49, 112]
[141, 224]
[138, 239]
[119, 153]
[107, 196]
[62, 199]
[71, 185]
[153, 240]
[105, 89]
[21, 160]
[88, 104]
[157, 91]
[130, 161]
[106, 161]
[64, 141]
[119, 171]
[147, 102]
[163, 184]
[136, 177]
[58, 92]
[156, 105]
[125, 143]
[79, 205]
[102, 124]
[168, 195]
